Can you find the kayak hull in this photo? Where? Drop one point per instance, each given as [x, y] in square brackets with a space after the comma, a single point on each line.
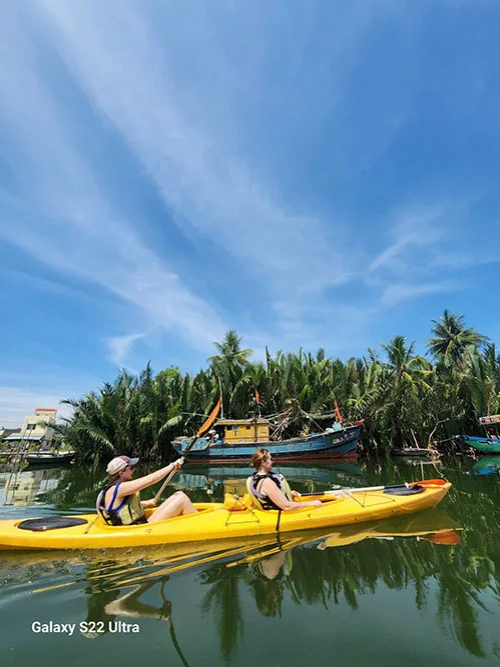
[214, 521]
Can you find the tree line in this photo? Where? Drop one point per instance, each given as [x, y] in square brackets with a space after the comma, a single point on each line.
[404, 398]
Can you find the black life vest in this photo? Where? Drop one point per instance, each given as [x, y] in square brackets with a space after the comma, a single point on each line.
[261, 500]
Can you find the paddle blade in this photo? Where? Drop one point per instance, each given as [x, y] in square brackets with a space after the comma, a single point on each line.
[210, 419]
[447, 537]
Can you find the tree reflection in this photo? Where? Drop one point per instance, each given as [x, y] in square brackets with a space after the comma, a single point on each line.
[316, 574]
[419, 553]
[223, 602]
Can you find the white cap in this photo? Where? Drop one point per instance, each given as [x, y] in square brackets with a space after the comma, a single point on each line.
[120, 463]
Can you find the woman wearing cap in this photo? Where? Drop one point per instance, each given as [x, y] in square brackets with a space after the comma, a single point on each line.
[119, 502]
[270, 490]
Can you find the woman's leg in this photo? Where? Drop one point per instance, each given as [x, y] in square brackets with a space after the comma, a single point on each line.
[176, 505]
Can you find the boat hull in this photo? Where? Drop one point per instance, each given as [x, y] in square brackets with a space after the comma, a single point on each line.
[214, 521]
[49, 459]
[336, 444]
[485, 445]
[418, 452]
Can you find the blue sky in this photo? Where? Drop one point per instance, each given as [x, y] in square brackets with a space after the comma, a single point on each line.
[307, 173]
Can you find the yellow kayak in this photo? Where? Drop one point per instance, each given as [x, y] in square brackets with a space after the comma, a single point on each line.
[229, 520]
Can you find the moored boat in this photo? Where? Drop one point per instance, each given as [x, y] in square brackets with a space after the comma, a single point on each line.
[235, 440]
[50, 458]
[489, 444]
[416, 451]
[216, 521]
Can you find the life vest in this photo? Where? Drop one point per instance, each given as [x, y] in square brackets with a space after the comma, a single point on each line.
[130, 511]
[261, 500]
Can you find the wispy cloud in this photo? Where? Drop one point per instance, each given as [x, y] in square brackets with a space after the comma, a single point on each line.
[413, 229]
[120, 346]
[194, 110]
[466, 259]
[410, 266]
[201, 177]
[394, 294]
[83, 233]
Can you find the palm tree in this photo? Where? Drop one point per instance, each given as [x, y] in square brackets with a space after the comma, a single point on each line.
[406, 374]
[229, 365]
[452, 339]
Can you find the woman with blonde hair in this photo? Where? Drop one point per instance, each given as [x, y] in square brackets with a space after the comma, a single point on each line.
[270, 490]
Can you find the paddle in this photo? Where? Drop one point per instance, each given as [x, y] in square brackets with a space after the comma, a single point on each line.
[406, 485]
[203, 429]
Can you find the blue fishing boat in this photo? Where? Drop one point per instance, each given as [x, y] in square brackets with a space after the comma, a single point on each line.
[489, 444]
[235, 440]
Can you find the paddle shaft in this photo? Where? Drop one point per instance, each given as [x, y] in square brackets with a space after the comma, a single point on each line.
[204, 428]
[162, 487]
[172, 473]
[366, 488]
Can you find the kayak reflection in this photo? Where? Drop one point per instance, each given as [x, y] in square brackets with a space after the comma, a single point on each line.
[314, 567]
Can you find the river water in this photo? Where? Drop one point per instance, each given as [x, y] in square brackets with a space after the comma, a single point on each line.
[419, 589]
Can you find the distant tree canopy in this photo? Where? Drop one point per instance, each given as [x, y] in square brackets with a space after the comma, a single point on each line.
[403, 397]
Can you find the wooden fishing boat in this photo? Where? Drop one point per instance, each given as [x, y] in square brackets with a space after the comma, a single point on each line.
[416, 451]
[489, 444]
[235, 440]
[49, 458]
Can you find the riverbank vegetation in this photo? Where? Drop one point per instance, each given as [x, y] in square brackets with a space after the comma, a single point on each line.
[404, 398]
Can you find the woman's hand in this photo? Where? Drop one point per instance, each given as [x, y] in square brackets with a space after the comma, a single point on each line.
[148, 503]
[315, 503]
[295, 495]
[177, 465]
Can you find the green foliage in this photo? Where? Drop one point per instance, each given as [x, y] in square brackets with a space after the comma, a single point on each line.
[403, 397]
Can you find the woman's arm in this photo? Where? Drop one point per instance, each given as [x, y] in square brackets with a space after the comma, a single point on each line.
[135, 485]
[278, 497]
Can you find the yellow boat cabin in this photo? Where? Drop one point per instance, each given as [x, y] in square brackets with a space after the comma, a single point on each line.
[233, 431]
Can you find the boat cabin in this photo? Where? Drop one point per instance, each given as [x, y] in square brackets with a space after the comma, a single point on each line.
[237, 431]
[491, 424]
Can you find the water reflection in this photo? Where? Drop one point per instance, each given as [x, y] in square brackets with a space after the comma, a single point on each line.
[301, 569]
[451, 570]
[216, 480]
[297, 566]
[486, 465]
[75, 488]
[22, 488]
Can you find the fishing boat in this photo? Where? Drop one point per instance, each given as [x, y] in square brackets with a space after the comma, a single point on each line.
[49, 458]
[489, 444]
[418, 452]
[235, 518]
[235, 440]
